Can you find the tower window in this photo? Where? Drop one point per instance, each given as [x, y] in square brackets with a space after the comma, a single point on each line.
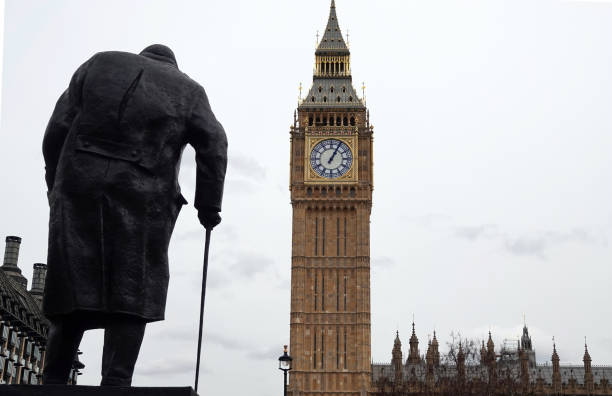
[323, 241]
[338, 231]
[322, 295]
[344, 120]
[337, 292]
[350, 98]
[320, 88]
[313, 99]
[324, 98]
[309, 191]
[322, 348]
[316, 290]
[345, 293]
[338, 99]
[331, 89]
[338, 121]
[344, 348]
[337, 349]
[314, 349]
[352, 121]
[316, 248]
[345, 236]
[342, 67]
[352, 192]
[343, 89]
[310, 118]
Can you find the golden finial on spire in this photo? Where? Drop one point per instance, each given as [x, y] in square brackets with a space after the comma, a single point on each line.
[363, 95]
[317, 37]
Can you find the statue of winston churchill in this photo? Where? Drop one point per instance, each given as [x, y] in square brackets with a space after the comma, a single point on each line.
[112, 152]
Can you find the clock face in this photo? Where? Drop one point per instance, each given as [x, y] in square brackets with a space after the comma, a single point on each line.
[331, 158]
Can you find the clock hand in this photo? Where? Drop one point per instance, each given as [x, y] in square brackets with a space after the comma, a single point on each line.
[333, 155]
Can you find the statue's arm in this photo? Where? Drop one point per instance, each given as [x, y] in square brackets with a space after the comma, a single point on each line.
[65, 111]
[209, 141]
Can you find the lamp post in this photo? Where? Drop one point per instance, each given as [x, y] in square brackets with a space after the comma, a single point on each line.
[284, 363]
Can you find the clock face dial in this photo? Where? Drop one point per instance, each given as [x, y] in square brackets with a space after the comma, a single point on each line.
[331, 158]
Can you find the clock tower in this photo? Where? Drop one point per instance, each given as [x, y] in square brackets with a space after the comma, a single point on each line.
[331, 195]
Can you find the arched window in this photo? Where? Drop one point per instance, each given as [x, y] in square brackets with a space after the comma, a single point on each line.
[313, 98]
[343, 89]
[331, 89]
[310, 121]
[345, 121]
[338, 121]
[350, 98]
[341, 67]
[320, 88]
[309, 191]
[318, 119]
[338, 99]
[324, 120]
[324, 98]
[352, 121]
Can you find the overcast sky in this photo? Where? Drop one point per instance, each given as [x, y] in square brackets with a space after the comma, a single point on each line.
[492, 168]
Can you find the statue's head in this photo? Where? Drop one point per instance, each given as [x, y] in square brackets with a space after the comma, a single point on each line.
[159, 52]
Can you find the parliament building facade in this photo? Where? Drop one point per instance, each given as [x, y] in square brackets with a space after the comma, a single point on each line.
[331, 184]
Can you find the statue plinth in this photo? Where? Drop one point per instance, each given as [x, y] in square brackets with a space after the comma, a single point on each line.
[77, 390]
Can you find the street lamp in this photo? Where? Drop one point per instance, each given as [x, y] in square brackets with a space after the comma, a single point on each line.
[284, 363]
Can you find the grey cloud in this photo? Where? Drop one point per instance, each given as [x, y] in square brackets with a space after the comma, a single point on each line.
[225, 342]
[246, 166]
[429, 220]
[271, 353]
[239, 187]
[249, 264]
[168, 366]
[383, 262]
[476, 232]
[532, 244]
[526, 246]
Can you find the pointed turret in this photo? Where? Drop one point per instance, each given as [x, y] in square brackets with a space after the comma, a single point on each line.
[490, 345]
[332, 41]
[588, 373]
[332, 81]
[435, 351]
[483, 354]
[556, 378]
[460, 363]
[396, 360]
[526, 339]
[413, 355]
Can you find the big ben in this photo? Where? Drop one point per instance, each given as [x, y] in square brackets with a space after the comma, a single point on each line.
[331, 187]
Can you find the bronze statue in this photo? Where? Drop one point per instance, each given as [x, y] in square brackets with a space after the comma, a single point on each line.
[112, 152]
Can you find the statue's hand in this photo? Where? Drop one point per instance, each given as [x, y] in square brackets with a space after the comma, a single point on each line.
[209, 219]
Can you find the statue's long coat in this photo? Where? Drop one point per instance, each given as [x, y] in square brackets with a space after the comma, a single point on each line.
[112, 151]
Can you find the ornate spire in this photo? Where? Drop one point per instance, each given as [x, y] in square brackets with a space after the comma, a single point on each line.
[460, 362]
[413, 356]
[526, 339]
[396, 360]
[483, 354]
[586, 357]
[490, 344]
[588, 373]
[332, 40]
[556, 379]
[435, 352]
[332, 80]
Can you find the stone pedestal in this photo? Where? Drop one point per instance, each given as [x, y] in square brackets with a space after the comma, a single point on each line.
[68, 390]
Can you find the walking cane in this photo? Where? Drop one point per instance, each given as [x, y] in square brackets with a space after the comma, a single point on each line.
[206, 246]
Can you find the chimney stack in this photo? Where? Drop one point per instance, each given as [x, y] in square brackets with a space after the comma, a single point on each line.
[11, 255]
[38, 282]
